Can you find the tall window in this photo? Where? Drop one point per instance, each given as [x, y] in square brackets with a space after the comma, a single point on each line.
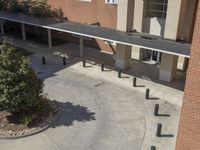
[157, 8]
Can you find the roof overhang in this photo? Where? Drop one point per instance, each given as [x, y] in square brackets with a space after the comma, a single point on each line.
[96, 32]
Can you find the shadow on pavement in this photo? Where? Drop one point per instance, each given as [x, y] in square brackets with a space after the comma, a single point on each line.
[167, 135]
[71, 113]
[54, 58]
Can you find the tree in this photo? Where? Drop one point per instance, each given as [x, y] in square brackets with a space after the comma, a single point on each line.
[41, 9]
[13, 6]
[19, 87]
[3, 5]
[24, 6]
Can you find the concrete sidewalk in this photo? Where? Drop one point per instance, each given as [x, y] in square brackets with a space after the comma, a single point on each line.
[106, 113]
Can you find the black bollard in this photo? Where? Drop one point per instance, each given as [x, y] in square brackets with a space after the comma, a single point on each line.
[153, 148]
[102, 67]
[147, 93]
[64, 61]
[43, 60]
[134, 82]
[84, 62]
[119, 73]
[159, 129]
[156, 109]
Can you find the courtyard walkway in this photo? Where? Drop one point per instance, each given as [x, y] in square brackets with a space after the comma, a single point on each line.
[99, 110]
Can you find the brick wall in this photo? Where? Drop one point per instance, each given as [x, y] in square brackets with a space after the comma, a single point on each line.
[96, 11]
[189, 128]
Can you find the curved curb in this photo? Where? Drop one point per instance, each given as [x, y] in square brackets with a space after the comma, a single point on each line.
[34, 132]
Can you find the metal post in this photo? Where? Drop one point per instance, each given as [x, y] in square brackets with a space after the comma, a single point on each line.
[156, 109]
[147, 93]
[23, 32]
[81, 46]
[2, 30]
[43, 60]
[84, 62]
[119, 73]
[102, 67]
[64, 61]
[49, 38]
[134, 82]
[159, 129]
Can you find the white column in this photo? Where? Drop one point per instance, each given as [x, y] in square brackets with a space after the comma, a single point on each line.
[125, 15]
[158, 57]
[168, 67]
[173, 27]
[123, 56]
[49, 38]
[23, 32]
[176, 10]
[81, 47]
[124, 23]
[139, 13]
[182, 63]
[137, 53]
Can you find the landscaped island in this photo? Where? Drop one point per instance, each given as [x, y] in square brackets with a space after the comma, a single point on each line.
[23, 108]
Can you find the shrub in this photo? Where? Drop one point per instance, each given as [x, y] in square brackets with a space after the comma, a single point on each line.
[3, 5]
[13, 6]
[24, 7]
[19, 87]
[37, 8]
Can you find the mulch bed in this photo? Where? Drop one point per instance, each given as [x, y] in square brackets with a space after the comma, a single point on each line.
[25, 122]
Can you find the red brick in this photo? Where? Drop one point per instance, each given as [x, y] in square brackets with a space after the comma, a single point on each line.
[189, 127]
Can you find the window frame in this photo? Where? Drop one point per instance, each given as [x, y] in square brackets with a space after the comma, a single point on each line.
[162, 13]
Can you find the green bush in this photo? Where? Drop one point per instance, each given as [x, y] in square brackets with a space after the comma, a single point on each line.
[37, 8]
[3, 5]
[24, 7]
[19, 87]
[13, 6]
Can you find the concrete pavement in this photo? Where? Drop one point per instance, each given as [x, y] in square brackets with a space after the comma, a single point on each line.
[100, 111]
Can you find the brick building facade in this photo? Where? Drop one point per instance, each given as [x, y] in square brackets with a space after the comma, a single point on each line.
[176, 20]
[189, 130]
[90, 12]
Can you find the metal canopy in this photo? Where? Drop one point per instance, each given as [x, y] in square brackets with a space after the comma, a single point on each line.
[133, 39]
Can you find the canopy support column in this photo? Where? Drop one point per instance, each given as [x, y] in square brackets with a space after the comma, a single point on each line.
[81, 46]
[183, 63]
[23, 32]
[168, 67]
[2, 27]
[2, 30]
[125, 15]
[123, 56]
[173, 28]
[49, 38]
